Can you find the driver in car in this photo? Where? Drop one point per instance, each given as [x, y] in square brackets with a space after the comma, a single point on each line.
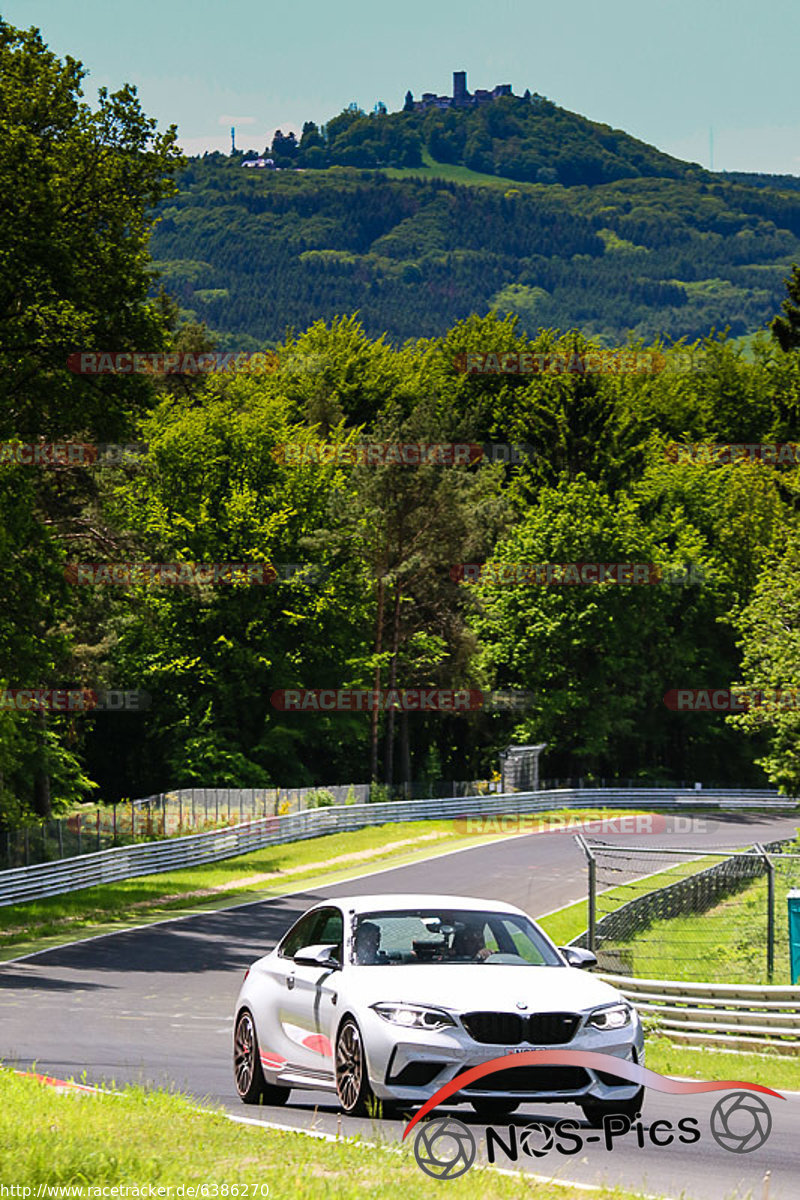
[469, 942]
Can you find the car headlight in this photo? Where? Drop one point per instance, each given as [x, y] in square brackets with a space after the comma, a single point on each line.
[612, 1016]
[413, 1016]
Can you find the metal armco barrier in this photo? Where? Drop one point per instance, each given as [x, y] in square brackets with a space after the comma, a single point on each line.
[126, 862]
[718, 1014]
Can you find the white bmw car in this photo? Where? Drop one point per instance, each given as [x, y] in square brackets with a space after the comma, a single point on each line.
[390, 997]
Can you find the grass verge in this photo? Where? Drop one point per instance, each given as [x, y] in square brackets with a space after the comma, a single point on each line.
[271, 871]
[141, 1138]
[567, 923]
[724, 944]
[771, 1070]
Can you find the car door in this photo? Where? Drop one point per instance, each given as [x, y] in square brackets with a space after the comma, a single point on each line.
[308, 1006]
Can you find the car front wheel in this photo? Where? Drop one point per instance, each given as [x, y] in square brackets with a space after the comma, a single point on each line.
[250, 1082]
[595, 1110]
[352, 1085]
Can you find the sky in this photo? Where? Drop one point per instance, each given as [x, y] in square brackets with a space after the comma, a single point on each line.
[667, 71]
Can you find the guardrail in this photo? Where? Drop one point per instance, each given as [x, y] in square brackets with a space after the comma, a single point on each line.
[126, 862]
[736, 1016]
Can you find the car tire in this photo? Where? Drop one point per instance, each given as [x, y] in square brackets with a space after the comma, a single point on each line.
[595, 1110]
[250, 1082]
[352, 1082]
[494, 1108]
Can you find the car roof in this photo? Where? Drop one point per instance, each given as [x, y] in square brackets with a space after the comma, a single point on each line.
[406, 900]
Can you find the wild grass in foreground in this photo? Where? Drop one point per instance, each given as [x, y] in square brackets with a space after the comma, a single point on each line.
[153, 1138]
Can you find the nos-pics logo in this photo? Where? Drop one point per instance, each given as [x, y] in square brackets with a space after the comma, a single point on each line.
[740, 1122]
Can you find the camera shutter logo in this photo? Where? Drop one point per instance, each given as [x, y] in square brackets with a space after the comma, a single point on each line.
[741, 1122]
[444, 1148]
[536, 1139]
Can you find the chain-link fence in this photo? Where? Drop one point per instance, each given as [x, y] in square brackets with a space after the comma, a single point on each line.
[716, 916]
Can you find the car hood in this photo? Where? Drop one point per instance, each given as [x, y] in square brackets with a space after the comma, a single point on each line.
[495, 987]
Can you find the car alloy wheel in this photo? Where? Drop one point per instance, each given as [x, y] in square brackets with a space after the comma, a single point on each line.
[250, 1082]
[352, 1084]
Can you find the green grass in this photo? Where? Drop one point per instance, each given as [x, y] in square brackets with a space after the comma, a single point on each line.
[140, 1138]
[726, 944]
[567, 923]
[290, 866]
[458, 174]
[781, 1072]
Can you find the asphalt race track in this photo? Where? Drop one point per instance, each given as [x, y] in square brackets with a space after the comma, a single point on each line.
[155, 1005]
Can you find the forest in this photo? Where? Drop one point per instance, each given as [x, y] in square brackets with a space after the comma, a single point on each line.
[346, 570]
[256, 253]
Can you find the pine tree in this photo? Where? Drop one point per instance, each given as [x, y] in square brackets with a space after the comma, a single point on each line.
[786, 329]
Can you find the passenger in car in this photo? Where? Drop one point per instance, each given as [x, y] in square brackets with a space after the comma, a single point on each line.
[368, 939]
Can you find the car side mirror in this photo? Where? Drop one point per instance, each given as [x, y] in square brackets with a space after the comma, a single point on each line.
[576, 957]
[318, 956]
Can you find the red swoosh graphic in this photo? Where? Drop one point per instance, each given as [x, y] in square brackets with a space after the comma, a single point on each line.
[584, 1058]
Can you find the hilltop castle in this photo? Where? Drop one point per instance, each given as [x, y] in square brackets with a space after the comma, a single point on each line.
[460, 98]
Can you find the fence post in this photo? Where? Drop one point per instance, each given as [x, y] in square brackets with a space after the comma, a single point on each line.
[133, 821]
[770, 912]
[180, 810]
[59, 823]
[114, 819]
[98, 830]
[592, 914]
[80, 823]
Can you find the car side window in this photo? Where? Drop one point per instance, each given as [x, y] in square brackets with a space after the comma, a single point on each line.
[332, 931]
[301, 934]
[317, 928]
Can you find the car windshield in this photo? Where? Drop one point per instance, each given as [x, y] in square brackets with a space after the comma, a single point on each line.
[441, 936]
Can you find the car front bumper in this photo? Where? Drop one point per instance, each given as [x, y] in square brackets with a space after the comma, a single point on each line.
[409, 1068]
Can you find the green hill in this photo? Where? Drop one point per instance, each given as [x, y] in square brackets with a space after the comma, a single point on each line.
[525, 139]
[420, 240]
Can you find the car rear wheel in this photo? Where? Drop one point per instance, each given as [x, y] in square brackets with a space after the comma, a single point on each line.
[494, 1108]
[250, 1082]
[595, 1110]
[352, 1085]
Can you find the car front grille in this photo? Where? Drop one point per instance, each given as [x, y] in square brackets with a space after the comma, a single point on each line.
[509, 1029]
[530, 1080]
[493, 1028]
[552, 1029]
